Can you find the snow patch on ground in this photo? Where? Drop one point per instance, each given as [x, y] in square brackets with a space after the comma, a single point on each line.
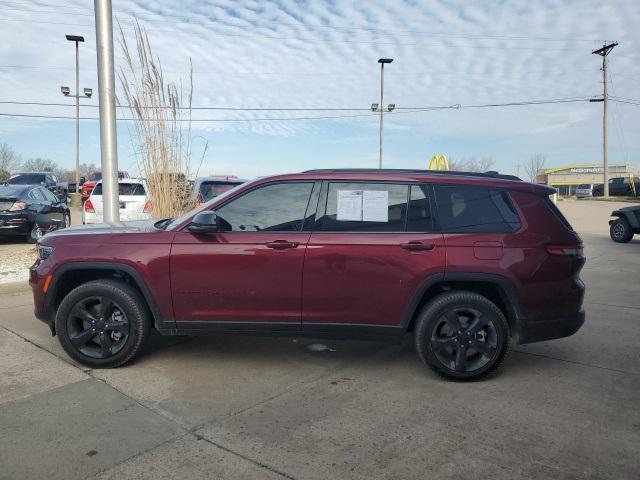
[14, 265]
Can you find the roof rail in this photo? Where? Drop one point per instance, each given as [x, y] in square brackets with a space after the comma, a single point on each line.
[443, 173]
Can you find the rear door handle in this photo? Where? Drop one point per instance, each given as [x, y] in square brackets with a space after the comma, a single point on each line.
[282, 244]
[415, 245]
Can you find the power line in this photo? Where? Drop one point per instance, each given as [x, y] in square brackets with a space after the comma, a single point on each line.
[624, 101]
[405, 110]
[318, 109]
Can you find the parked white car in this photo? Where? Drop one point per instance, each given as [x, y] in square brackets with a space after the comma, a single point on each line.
[134, 204]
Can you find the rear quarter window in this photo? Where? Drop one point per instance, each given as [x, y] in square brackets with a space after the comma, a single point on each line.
[475, 209]
[557, 213]
[123, 189]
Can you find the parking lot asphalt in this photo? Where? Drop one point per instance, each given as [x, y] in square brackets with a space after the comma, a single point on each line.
[254, 408]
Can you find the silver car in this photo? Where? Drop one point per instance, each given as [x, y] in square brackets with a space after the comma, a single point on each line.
[584, 191]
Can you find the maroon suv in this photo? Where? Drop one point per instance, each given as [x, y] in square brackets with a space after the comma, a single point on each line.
[463, 261]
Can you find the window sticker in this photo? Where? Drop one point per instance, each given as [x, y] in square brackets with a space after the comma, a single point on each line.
[363, 206]
[375, 206]
[349, 205]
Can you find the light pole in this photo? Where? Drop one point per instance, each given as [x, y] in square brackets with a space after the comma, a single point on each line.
[87, 94]
[380, 107]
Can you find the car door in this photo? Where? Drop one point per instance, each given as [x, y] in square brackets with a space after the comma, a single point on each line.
[373, 247]
[53, 208]
[249, 273]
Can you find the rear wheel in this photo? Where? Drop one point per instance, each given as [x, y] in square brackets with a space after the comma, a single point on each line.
[35, 235]
[102, 323]
[620, 231]
[462, 335]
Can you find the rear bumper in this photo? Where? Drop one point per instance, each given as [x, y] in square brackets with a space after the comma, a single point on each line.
[531, 332]
[19, 223]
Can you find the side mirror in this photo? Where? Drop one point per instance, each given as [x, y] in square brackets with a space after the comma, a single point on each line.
[204, 222]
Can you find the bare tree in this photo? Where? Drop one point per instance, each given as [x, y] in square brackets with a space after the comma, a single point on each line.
[471, 164]
[9, 161]
[535, 166]
[162, 125]
[40, 165]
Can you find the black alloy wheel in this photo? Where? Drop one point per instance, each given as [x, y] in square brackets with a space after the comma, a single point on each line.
[103, 323]
[462, 335]
[464, 339]
[97, 327]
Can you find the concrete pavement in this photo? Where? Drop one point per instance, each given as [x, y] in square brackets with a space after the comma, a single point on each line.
[247, 408]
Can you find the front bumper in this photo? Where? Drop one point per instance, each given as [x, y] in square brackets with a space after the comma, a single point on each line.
[531, 332]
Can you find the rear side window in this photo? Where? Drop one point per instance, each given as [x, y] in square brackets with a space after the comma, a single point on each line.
[471, 209]
[420, 218]
[123, 189]
[556, 211]
[365, 207]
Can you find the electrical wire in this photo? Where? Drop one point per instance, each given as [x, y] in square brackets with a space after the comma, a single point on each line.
[405, 110]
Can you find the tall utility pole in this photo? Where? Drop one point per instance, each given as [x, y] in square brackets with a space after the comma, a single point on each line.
[603, 52]
[87, 93]
[381, 109]
[107, 96]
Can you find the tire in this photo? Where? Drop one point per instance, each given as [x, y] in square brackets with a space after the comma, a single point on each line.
[620, 231]
[470, 351]
[109, 341]
[34, 235]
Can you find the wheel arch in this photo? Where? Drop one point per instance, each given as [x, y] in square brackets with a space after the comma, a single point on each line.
[497, 288]
[71, 275]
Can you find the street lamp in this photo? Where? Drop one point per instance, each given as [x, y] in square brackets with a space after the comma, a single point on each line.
[375, 107]
[87, 94]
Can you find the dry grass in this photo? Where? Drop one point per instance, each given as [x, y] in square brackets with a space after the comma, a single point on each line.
[162, 125]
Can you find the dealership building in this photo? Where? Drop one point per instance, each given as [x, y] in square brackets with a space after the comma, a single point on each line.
[566, 179]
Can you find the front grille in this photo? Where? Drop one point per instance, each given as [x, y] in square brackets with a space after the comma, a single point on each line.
[5, 205]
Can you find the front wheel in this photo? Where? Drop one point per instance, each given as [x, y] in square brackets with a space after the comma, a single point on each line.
[620, 231]
[462, 335]
[102, 323]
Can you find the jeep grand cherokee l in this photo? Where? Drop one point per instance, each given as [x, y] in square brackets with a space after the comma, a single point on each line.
[462, 261]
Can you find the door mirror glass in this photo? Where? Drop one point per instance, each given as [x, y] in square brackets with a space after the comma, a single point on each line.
[205, 222]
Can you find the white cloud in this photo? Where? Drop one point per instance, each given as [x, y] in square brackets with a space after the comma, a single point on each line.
[323, 54]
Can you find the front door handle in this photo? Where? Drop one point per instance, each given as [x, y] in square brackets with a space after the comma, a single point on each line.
[282, 244]
[415, 245]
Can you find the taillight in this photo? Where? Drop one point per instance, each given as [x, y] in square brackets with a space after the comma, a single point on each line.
[565, 250]
[17, 206]
[148, 207]
[88, 207]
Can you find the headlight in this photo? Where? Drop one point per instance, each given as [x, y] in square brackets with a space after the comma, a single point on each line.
[44, 251]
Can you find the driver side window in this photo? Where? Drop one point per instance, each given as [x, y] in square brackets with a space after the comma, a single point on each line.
[278, 207]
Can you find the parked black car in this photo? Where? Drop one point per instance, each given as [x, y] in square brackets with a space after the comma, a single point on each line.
[30, 211]
[625, 225]
[618, 187]
[44, 179]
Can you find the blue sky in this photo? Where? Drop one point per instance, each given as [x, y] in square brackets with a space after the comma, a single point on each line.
[317, 54]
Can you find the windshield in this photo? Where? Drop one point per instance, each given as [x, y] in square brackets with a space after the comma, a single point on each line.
[584, 185]
[205, 206]
[26, 179]
[212, 189]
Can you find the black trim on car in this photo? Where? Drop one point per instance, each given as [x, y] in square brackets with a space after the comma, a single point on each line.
[288, 329]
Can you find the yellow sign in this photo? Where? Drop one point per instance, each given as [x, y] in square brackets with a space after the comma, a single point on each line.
[438, 162]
